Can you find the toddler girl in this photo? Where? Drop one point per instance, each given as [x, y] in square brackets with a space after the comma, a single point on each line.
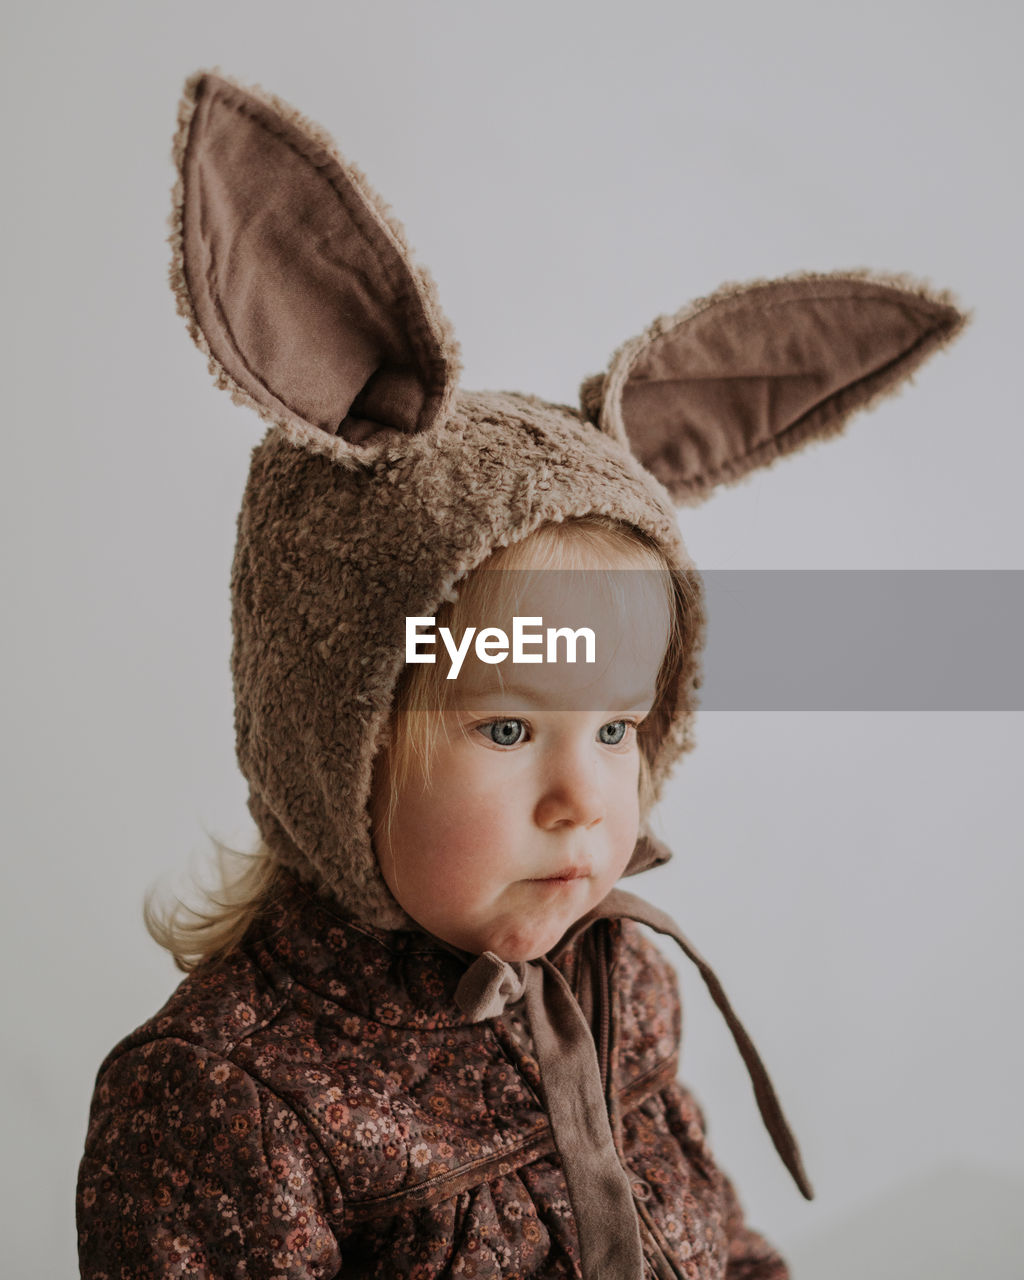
[423, 1035]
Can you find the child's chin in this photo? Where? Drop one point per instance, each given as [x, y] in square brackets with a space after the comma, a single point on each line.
[519, 950]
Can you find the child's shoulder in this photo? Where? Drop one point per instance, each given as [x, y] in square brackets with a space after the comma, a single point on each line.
[180, 1074]
[639, 959]
[648, 994]
[212, 1009]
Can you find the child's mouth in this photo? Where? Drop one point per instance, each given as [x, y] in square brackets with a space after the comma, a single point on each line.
[564, 877]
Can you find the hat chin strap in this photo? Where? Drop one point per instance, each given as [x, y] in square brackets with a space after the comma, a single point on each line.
[598, 1185]
[648, 852]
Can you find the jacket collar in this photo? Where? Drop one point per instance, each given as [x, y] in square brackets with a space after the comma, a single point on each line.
[395, 976]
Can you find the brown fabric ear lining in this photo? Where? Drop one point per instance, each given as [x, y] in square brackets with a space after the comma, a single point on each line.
[751, 374]
[297, 278]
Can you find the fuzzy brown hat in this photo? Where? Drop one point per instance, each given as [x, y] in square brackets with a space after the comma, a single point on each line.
[380, 483]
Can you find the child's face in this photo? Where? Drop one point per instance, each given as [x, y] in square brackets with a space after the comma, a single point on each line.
[531, 810]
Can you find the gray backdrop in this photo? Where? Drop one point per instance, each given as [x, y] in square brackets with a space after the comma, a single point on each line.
[566, 171]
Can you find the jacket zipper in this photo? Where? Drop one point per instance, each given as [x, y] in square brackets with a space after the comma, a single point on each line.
[603, 949]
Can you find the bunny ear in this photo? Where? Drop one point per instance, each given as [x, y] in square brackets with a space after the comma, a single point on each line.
[295, 279]
[757, 371]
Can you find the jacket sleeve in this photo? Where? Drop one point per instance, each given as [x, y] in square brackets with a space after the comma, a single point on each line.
[652, 1001]
[192, 1168]
[748, 1255]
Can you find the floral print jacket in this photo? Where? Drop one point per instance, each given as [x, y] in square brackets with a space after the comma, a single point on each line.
[318, 1106]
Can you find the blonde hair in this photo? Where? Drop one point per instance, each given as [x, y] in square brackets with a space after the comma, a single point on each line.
[246, 886]
[249, 883]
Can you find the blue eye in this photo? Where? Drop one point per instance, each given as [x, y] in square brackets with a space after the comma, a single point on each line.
[504, 733]
[613, 733]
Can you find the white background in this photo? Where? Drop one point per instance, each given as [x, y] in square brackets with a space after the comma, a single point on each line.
[567, 172]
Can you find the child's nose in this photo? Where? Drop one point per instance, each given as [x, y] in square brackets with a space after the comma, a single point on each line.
[570, 796]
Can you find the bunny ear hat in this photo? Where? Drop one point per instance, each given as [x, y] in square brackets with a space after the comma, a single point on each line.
[380, 482]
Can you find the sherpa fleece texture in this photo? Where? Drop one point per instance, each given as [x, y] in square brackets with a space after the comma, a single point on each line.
[381, 483]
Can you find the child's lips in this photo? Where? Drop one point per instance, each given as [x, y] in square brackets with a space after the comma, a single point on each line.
[565, 877]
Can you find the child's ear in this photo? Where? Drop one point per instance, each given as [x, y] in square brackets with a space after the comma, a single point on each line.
[757, 371]
[294, 277]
